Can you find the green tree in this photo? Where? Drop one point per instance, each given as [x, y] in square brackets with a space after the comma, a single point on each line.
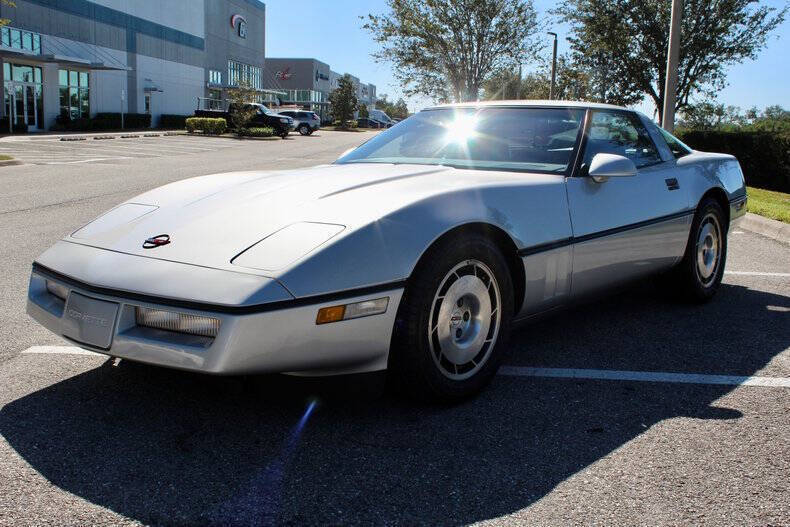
[363, 111]
[446, 49]
[396, 110]
[240, 107]
[573, 83]
[343, 100]
[7, 3]
[624, 42]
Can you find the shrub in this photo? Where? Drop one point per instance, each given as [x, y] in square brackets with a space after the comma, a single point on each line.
[112, 121]
[349, 124]
[18, 128]
[172, 121]
[264, 131]
[764, 157]
[207, 125]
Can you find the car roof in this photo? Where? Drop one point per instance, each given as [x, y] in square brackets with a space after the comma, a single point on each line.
[529, 103]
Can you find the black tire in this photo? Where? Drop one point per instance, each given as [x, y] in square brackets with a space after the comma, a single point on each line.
[690, 278]
[304, 129]
[284, 135]
[417, 364]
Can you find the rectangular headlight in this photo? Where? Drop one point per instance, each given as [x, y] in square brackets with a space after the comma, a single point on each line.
[60, 291]
[179, 322]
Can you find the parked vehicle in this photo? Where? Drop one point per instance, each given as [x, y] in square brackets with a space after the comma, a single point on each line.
[263, 116]
[305, 122]
[382, 117]
[364, 122]
[414, 252]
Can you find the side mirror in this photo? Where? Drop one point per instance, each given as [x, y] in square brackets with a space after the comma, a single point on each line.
[604, 166]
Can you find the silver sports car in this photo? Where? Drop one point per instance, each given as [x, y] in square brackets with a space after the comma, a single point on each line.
[414, 252]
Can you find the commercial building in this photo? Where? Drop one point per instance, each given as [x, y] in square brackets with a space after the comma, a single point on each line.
[307, 83]
[75, 58]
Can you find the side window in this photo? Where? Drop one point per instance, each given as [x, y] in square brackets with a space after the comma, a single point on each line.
[677, 148]
[620, 133]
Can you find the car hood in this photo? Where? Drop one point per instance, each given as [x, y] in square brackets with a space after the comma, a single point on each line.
[211, 219]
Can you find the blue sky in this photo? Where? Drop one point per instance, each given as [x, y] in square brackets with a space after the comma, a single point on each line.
[330, 30]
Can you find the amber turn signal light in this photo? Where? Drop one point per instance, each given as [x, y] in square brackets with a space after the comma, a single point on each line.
[330, 314]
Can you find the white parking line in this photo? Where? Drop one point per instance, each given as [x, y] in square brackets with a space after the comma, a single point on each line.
[60, 350]
[560, 373]
[751, 273]
[85, 160]
[645, 376]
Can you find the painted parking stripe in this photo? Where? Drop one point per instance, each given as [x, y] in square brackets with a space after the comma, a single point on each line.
[60, 350]
[751, 273]
[645, 376]
[557, 373]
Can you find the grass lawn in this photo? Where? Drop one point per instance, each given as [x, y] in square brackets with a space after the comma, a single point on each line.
[774, 205]
[4, 157]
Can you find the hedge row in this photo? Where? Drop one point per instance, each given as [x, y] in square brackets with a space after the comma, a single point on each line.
[764, 157]
[177, 122]
[264, 131]
[207, 125]
[103, 121]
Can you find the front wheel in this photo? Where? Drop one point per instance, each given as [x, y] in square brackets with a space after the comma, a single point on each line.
[454, 320]
[698, 276]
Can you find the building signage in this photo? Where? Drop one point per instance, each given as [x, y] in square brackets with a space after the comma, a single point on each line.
[238, 23]
[285, 74]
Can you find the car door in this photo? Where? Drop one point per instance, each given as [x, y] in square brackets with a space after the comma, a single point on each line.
[624, 227]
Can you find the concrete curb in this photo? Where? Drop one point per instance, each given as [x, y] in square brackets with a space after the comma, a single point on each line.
[10, 162]
[773, 229]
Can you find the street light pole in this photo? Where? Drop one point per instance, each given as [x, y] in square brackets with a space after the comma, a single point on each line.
[673, 56]
[553, 66]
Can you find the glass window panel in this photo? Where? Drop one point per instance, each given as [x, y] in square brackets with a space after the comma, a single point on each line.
[6, 71]
[620, 133]
[63, 77]
[83, 79]
[27, 40]
[6, 36]
[64, 101]
[16, 39]
[39, 108]
[36, 43]
[73, 78]
[74, 103]
[37, 75]
[84, 102]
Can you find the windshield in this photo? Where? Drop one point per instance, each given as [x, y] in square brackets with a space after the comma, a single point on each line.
[525, 139]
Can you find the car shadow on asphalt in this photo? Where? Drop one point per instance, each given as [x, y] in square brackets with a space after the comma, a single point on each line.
[166, 447]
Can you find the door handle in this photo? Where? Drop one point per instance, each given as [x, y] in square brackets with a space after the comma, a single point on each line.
[672, 183]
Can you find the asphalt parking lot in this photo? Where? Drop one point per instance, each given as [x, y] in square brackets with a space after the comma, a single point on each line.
[111, 148]
[631, 410]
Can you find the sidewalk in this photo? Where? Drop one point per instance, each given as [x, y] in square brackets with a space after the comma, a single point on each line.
[40, 136]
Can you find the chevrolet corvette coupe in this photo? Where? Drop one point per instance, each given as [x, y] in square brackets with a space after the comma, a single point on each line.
[414, 252]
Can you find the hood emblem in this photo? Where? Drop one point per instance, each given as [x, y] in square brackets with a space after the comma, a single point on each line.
[156, 241]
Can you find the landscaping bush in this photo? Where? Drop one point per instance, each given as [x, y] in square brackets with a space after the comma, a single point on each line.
[172, 121]
[349, 124]
[207, 125]
[263, 131]
[18, 128]
[112, 121]
[764, 157]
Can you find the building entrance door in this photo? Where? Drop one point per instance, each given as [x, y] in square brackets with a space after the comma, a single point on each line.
[23, 104]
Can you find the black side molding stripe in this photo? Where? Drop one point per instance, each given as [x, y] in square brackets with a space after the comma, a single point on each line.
[218, 308]
[527, 251]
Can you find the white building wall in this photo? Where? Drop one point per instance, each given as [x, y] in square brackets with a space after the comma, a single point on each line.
[181, 85]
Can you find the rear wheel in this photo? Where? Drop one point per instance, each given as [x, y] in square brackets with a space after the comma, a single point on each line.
[699, 274]
[304, 129]
[454, 321]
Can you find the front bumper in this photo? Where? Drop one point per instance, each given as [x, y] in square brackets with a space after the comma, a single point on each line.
[280, 339]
